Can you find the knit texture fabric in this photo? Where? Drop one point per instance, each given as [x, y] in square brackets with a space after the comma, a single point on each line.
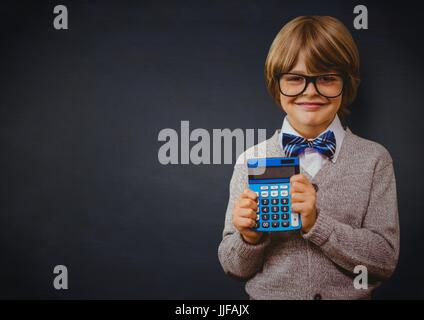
[357, 224]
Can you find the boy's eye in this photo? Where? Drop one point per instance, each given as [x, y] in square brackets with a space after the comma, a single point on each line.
[294, 78]
[327, 79]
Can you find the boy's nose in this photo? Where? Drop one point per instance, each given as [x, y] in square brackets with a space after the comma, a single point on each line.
[310, 89]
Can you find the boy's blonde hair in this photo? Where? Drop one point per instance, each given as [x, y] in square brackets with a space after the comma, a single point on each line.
[325, 43]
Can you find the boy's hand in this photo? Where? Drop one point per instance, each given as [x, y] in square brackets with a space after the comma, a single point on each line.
[303, 200]
[244, 216]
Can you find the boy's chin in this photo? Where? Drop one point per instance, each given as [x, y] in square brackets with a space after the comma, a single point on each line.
[309, 118]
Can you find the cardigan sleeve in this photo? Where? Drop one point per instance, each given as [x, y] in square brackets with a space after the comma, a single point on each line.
[376, 244]
[237, 257]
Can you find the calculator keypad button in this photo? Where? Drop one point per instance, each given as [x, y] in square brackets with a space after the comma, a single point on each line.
[264, 187]
[274, 193]
[295, 219]
[283, 186]
[264, 194]
[284, 193]
[275, 224]
[275, 216]
[284, 200]
[274, 187]
[265, 217]
[274, 201]
[285, 216]
[285, 224]
[274, 209]
[265, 201]
[265, 209]
[285, 208]
[265, 224]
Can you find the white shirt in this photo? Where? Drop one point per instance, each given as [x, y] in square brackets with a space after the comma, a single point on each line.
[312, 160]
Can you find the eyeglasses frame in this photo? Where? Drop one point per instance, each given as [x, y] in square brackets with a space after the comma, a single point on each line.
[310, 79]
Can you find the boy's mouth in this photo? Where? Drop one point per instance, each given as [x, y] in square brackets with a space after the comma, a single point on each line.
[310, 105]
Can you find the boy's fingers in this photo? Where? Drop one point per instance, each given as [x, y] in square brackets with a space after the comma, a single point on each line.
[251, 233]
[247, 222]
[298, 186]
[298, 197]
[297, 207]
[247, 213]
[300, 183]
[249, 194]
[247, 203]
[299, 178]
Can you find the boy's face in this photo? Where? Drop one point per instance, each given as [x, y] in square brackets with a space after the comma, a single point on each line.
[309, 113]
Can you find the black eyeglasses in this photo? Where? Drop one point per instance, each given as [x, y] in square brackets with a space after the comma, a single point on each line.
[328, 85]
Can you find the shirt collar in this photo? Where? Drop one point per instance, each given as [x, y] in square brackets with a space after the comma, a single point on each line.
[335, 126]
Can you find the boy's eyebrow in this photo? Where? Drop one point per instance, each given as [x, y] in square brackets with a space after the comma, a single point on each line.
[298, 71]
[305, 74]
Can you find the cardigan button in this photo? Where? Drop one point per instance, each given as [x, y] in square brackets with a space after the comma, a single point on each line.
[315, 187]
[317, 297]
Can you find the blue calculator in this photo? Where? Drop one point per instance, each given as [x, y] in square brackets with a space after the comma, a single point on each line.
[270, 179]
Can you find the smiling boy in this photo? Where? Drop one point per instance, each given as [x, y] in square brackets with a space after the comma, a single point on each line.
[345, 193]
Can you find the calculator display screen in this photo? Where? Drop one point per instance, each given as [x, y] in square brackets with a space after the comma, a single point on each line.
[271, 172]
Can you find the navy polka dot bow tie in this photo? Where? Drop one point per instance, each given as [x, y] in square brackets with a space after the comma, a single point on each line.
[295, 145]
